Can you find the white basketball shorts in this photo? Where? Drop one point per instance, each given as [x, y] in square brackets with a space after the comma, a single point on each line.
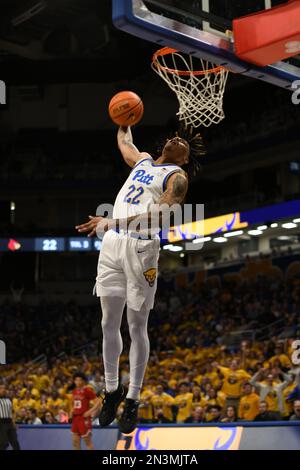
[127, 267]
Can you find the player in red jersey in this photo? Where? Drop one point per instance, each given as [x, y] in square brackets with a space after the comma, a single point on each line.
[82, 412]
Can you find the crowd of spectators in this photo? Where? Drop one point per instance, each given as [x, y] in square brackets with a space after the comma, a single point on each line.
[47, 328]
[194, 374]
[189, 385]
[185, 317]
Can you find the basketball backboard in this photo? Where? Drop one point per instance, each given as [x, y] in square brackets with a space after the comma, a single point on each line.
[202, 28]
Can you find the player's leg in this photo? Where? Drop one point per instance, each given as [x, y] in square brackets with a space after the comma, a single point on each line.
[141, 273]
[12, 437]
[76, 440]
[138, 360]
[112, 312]
[88, 441]
[111, 288]
[3, 436]
[139, 349]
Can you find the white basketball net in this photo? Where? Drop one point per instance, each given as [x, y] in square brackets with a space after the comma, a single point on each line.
[199, 90]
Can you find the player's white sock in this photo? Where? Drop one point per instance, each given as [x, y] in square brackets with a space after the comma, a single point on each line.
[139, 350]
[112, 311]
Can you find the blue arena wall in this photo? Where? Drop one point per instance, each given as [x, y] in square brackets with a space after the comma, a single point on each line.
[240, 436]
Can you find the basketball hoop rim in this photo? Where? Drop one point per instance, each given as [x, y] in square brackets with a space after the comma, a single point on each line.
[169, 50]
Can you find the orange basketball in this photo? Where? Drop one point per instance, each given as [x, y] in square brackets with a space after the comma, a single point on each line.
[126, 108]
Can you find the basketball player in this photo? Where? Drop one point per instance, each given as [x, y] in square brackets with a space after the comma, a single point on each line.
[82, 412]
[127, 268]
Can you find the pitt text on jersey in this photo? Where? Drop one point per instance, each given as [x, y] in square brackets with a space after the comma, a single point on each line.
[142, 177]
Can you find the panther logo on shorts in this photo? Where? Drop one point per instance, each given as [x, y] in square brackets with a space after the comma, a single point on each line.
[150, 276]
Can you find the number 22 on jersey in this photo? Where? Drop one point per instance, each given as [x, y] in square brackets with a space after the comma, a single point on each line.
[132, 197]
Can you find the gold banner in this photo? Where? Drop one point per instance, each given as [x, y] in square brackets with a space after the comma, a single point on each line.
[182, 438]
[202, 228]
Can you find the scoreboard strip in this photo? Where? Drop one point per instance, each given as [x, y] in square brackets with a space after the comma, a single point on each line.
[49, 244]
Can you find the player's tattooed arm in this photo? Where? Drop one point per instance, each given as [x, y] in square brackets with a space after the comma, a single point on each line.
[177, 186]
[174, 194]
[127, 148]
[172, 197]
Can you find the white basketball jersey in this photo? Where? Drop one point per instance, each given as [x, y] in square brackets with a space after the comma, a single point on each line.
[143, 187]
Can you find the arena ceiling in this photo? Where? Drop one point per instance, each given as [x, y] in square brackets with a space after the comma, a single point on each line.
[69, 41]
[78, 34]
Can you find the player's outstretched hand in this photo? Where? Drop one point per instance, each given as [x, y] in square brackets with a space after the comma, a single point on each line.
[95, 224]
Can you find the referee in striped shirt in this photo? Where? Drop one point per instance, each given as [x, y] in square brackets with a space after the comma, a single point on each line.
[8, 433]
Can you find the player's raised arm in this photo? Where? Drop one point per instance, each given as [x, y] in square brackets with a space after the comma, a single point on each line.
[127, 148]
